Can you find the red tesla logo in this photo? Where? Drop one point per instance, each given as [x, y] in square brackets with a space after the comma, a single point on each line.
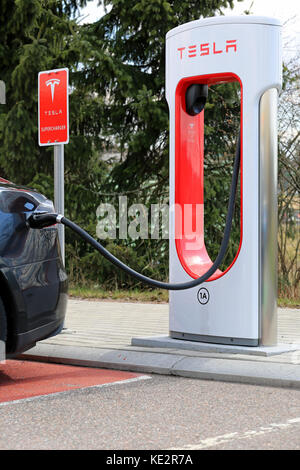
[207, 49]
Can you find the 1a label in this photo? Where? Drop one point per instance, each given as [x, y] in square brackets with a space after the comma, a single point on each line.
[203, 295]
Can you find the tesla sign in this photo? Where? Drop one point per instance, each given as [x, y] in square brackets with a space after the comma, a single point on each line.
[53, 107]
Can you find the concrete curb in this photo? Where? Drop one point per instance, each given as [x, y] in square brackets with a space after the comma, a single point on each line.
[167, 342]
[220, 369]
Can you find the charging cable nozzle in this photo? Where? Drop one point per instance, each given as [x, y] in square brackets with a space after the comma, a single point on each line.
[43, 220]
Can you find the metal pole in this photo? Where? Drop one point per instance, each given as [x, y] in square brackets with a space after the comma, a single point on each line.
[59, 192]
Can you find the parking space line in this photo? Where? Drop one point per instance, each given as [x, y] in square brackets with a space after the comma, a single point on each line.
[110, 384]
[236, 436]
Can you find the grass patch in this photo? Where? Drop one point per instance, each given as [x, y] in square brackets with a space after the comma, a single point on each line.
[132, 295]
[289, 303]
[136, 295]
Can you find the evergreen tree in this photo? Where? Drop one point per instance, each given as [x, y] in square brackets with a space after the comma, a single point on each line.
[35, 35]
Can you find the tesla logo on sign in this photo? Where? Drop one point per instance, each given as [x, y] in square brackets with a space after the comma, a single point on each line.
[53, 107]
[52, 82]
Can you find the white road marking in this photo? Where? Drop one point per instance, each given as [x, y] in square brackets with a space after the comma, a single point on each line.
[236, 436]
[109, 384]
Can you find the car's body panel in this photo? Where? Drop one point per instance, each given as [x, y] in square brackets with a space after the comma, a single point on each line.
[33, 281]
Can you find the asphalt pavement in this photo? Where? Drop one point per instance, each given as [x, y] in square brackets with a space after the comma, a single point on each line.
[163, 412]
[111, 335]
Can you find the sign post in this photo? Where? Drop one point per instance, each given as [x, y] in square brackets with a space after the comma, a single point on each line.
[54, 130]
[59, 193]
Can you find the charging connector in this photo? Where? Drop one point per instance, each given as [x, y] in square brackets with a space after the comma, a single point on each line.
[43, 220]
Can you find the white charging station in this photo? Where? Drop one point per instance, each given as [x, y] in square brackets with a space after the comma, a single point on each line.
[237, 306]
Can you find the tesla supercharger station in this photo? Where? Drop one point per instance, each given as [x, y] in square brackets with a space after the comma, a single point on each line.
[237, 306]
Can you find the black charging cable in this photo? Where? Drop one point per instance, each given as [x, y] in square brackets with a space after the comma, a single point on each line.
[42, 220]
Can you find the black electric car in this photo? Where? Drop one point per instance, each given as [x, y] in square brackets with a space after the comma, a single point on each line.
[33, 281]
